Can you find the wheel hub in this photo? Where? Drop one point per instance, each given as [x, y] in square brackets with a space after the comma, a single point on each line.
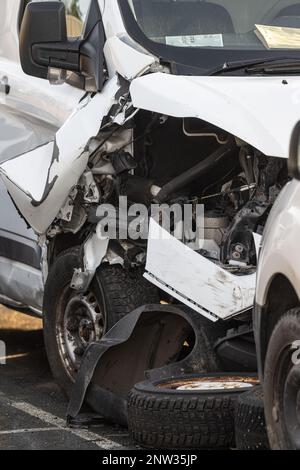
[83, 324]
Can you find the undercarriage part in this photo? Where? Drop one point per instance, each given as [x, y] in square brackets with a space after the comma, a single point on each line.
[202, 168]
[237, 350]
[189, 412]
[154, 341]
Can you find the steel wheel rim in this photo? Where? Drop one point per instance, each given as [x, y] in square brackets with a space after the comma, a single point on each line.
[81, 321]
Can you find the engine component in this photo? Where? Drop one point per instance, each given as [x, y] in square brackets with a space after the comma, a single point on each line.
[196, 171]
[238, 245]
[246, 160]
[198, 128]
[270, 174]
[90, 189]
[122, 162]
[137, 189]
[214, 229]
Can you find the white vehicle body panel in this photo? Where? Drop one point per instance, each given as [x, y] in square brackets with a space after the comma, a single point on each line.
[49, 154]
[17, 292]
[194, 280]
[33, 96]
[36, 97]
[280, 250]
[56, 167]
[20, 133]
[279, 257]
[125, 60]
[244, 106]
[9, 44]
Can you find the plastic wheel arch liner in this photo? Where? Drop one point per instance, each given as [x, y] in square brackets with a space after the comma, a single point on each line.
[144, 344]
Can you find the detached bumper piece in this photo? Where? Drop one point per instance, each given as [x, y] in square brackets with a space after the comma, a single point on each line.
[153, 342]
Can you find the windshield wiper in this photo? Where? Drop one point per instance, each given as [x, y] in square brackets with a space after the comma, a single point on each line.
[264, 65]
[288, 66]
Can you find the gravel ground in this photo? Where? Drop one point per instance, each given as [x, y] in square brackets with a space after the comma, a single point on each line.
[32, 407]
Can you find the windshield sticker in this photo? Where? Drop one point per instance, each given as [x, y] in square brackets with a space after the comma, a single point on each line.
[203, 40]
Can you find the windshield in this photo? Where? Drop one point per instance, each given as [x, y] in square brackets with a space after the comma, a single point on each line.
[228, 29]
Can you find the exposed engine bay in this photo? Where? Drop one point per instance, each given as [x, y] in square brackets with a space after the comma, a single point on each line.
[160, 159]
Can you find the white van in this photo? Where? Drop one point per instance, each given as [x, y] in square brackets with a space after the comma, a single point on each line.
[160, 102]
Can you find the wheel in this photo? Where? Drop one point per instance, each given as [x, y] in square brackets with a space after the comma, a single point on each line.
[250, 423]
[282, 383]
[73, 320]
[190, 412]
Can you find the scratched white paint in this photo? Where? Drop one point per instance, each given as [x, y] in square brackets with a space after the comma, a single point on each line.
[243, 106]
[197, 282]
[25, 176]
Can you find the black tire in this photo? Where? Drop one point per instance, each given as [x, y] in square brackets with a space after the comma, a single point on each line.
[117, 293]
[250, 423]
[162, 417]
[282, 383]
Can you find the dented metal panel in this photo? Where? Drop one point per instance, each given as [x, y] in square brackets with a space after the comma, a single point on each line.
[20, 133]
[27, 286]
[194, 280]
[56, 167]
[243, 106]
[125, 59]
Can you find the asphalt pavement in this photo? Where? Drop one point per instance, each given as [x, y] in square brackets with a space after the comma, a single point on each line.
[32, 406]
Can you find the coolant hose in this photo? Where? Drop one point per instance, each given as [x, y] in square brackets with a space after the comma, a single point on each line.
[195, 172]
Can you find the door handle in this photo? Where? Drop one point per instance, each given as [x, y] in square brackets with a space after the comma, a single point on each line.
[4, 86]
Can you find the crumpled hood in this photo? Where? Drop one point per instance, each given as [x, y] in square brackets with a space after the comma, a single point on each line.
[262, 111]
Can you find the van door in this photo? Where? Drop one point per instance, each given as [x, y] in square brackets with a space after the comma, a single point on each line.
[31, 112]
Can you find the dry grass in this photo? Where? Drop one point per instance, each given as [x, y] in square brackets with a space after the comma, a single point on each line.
[10, 320]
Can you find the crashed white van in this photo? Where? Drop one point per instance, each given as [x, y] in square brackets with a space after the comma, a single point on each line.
[160, 101]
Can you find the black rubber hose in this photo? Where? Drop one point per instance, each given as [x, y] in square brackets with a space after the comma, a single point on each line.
[195, 172]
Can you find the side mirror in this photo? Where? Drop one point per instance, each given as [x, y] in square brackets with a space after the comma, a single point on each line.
[294, 159]
[44, 45]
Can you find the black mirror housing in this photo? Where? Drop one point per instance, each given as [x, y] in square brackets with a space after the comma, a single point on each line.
[43, 23]
[44, 43]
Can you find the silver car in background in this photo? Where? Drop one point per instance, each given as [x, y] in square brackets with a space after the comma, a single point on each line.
[277, 312]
